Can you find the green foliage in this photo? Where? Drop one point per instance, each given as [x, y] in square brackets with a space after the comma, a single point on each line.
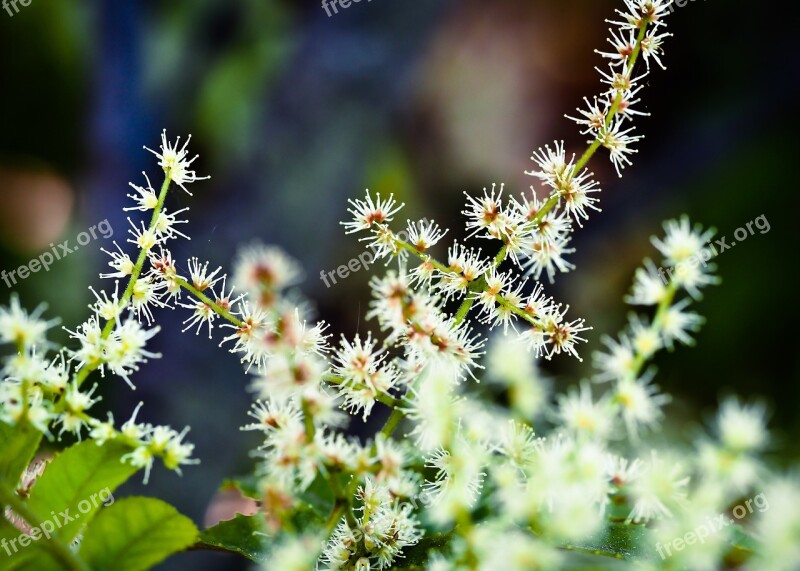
[18, 445]
[242, 535]
[126, 535]
[75, 480]
[134, 534]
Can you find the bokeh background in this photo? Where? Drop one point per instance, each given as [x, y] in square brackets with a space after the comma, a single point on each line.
[293, 112]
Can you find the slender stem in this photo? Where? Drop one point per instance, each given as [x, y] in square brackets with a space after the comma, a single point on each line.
[663, 307]
[392, 422]
[137, 270]
[53, 545]
[464, 308]
[308, 420]
[612, 112]
[388, 400]
[218, 309]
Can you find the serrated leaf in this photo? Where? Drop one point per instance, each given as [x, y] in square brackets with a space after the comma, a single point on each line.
[242, 534]
[18, 445]
[134, 534]
[75, 484]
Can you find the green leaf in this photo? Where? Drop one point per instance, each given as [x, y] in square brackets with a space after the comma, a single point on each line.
[134, 534]
[18, 444]
[247, 485]
[77, 483]
[619, 540]
[417, 555]
[33, 557]
[242, 535]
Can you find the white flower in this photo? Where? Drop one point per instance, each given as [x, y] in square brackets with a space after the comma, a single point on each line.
[120, 262]
[143, 237]
[618, 142]
[583, 416]
[640, 404]
[202, 313]
[175, 162]
[547, 256]
[576, 191]
[648, 286]
[619, 362]
[777, 527]
[552, 226]
[443, 340]
[682, 241]
[559, 336]
[496, 283]
[514, 550]
[466, 266]
[91, 352]
[298, 553]
[486, 214]
[125, 350]
[652, 47]
[107, 308]
[553, 164]
[424, 236]
[623, 45]
[165, 226]
[645, 338]
[458, 479]
[593, 117]
[261, 271]
[22, 328]
[248, 337]
[176, 452]
[676, 324]
[145, 198]
[141, 457]
[742, 428]
[642, 12]
[201, 279]
[275, 414]
[76, 404]
[367, 213]
[660, 487]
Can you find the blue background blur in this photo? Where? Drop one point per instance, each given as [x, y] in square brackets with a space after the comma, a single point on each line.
[293, 112]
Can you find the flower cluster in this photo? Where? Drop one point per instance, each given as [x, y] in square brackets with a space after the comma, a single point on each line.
[638, 32]
[470, 485]
[50, 388]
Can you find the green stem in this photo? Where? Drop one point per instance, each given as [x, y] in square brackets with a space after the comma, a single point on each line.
[308, 420]
[663, 307]
[137, 270]
[215, 307]
[392, 422]
[612, 112]
[60, 551]
[381, 397]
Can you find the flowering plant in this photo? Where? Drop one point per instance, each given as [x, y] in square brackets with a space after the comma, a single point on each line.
[453, 480]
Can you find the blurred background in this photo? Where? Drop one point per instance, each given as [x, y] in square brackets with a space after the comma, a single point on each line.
[293, 112]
